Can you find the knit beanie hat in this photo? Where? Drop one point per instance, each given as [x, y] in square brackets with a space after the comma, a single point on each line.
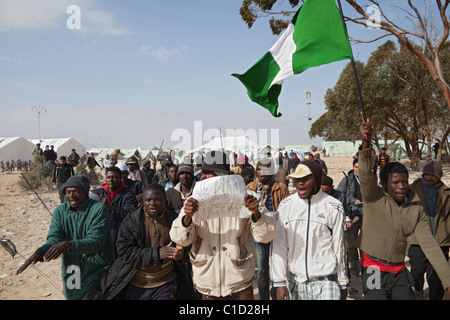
[77, 182]
[434, 168]
[186, 167]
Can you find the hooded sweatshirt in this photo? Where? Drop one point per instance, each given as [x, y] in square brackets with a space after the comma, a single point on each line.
[310, 241]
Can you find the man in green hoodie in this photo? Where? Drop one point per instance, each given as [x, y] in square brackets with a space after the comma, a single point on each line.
[392, 213]
[80, 232]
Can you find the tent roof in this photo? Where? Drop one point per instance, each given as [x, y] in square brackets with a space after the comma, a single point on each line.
[235, 144]
[7, 140]
[14, 148]
[58, 142]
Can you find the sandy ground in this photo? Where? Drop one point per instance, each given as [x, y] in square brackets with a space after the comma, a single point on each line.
[25, 221]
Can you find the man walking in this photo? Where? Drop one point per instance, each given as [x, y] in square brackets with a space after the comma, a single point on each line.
[309, 251]
[434, 196]
[162, 175]
[145, 268]
[80, 232]
[270, 193]
[222, 248]
[177, 196]
[63, 171]
[392, 213]
[117, 197]
[92, 163]
[383, 159]
[74, 158]
[353, 206]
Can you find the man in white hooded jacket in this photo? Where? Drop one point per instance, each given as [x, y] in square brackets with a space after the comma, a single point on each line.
[309, 251]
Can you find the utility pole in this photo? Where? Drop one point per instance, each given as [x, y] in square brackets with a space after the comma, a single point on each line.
[39, 109]
[308, 104]
[308, 107]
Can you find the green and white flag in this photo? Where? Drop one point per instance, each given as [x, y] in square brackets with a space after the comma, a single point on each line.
[315, 36]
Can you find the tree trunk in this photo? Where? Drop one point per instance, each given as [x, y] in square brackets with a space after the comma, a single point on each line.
[442, 146]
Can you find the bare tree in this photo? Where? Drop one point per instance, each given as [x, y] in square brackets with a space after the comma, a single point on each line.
[425, 31]
[431, 37]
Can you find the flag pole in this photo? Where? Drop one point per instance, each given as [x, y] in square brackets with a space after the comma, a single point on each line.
[354, 69]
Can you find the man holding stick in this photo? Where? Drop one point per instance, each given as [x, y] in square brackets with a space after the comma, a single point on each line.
[391, 214]
[80, 233]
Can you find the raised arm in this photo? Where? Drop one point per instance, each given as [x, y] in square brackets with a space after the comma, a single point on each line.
[369, 189]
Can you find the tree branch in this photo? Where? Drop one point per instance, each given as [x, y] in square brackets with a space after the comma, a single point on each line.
[445, 22]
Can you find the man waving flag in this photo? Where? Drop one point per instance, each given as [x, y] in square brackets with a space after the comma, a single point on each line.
[315, 36]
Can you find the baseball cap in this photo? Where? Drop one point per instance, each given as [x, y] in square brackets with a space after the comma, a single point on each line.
[300, 172]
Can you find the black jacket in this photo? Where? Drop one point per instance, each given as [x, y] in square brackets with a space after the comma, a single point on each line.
[352, 192]
[132, 254]
[62, 173]
[123, 202]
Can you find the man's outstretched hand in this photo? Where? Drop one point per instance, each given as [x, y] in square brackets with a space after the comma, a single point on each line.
[366, 130]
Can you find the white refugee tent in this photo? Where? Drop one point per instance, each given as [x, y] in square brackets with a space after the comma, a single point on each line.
[304, 148]
[155, 151]
[340, 148]
[180, 154]
[396, 150]
[63, 146]
[145, 153]
[15, 148]
[267, 148]
[300, 154]
[126, 153]
[235, 144]
[103, 152]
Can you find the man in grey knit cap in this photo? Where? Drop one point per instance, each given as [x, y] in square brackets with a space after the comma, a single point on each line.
[435, 198]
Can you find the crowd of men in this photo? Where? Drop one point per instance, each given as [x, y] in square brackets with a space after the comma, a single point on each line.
[136, 236]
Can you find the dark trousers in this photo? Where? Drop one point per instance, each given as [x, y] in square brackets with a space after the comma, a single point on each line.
[262, 253]
[419, 266]
[246, 294]
[351, 235]
[164, 292]
[62, 196]
[392, 286]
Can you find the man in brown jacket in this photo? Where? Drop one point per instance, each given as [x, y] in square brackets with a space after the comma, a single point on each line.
[392, 213]
[177, 196]
[271, 193]
[435, 198]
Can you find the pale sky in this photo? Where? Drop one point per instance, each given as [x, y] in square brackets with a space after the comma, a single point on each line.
[137, 71]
